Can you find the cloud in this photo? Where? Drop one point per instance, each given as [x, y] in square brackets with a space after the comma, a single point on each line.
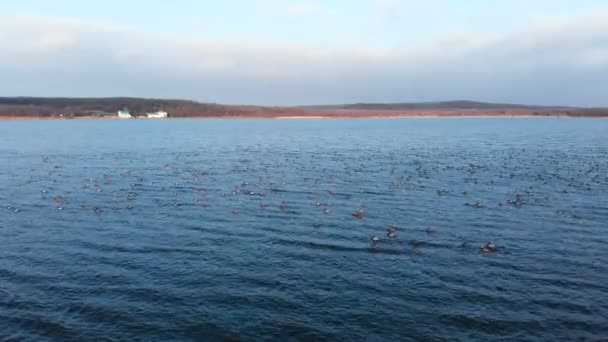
[555, 62]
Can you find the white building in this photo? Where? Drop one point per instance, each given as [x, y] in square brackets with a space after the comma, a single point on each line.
[158, 115]
[124, 114]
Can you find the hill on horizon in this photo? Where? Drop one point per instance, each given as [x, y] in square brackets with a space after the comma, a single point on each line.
[108, 106]
[452, 104]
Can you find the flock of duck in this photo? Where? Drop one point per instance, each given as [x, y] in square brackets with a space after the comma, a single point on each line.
[391, 233]
[399, 180]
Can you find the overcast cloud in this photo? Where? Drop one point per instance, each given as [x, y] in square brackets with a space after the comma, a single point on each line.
[559, 62]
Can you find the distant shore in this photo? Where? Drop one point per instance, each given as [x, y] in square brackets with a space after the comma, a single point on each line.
[299, 117]
[30, 118]
[40, 108]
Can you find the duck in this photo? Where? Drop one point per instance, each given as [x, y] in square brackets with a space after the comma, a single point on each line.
[358, 213]
[391, 231]
[429, 230]
[375, 239]
[489, 247]
[478, 205]
[416, 243]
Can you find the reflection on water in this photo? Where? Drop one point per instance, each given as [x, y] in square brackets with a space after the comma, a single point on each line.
[241, 229]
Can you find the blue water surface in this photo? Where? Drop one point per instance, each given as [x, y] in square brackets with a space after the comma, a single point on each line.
[243, 229]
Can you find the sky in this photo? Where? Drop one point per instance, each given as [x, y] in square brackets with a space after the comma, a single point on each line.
[303, 52]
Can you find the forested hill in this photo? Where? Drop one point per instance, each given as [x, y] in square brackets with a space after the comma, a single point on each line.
[103, 107]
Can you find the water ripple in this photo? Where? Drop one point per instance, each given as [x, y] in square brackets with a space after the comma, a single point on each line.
[244, 230]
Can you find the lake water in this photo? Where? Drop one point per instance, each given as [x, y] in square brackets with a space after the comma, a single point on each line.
[243, 230]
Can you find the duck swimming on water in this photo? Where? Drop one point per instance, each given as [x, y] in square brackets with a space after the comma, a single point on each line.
[358, 213]
[391, 231]
[374, 241]
[489, 247]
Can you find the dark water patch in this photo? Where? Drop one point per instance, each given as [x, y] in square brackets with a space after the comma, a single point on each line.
[39, 326]
[487, 326]
[321, 246]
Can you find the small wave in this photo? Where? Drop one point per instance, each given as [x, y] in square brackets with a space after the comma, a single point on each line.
[338, 248]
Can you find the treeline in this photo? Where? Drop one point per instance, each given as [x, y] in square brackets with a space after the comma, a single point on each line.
[100, 107]
[428, 105]
[467, 108]
[81, 107]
